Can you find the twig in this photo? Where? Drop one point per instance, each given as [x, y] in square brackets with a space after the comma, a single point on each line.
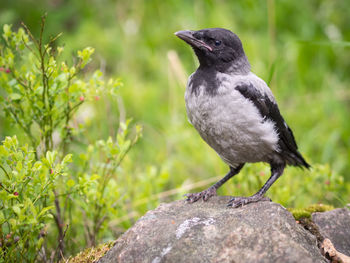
[87, 232]
[24, 128]
[59, 223]
[29, 48]
[30, 34]
[52, 39]
[2, 167]
[99, 223]
[122, 112]
[60, 242]
[43, 254]
[5, 188]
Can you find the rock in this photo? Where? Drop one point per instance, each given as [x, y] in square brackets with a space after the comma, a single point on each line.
[211, 232]
[335, 225]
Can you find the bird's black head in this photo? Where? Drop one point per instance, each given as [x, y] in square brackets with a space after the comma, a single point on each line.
[217, 47]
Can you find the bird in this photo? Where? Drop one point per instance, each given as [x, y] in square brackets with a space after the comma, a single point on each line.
[235, 112]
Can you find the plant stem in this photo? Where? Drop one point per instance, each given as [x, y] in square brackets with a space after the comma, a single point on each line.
[26, 129]
[5, 188]
[8, 176]
[59, 223]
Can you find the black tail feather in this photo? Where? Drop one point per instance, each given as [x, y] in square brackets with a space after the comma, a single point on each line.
[297, 159]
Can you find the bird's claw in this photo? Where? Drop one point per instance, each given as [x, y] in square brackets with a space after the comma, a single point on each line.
[241, 201]
[205, 195]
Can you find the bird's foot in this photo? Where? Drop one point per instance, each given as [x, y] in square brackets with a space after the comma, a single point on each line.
[205, 195]
[241, 201]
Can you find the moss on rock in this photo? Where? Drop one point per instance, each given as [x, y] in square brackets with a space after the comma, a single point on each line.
[299, 213]
[91, 254]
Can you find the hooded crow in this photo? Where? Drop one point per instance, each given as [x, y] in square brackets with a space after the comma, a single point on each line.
[235, 112]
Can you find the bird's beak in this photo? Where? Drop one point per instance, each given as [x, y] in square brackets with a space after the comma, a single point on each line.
[187, 36]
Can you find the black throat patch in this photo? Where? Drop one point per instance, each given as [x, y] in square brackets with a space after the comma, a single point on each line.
[206, 77]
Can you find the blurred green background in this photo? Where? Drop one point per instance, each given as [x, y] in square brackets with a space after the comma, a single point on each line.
[301, 48]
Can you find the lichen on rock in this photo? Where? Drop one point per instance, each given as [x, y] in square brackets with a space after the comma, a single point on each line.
[212, 232]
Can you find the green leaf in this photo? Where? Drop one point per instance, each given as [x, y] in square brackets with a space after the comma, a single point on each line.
[7, 31]
[72, 71]
[85, 55]
[13, 222]
[19, 166]
[16, 209]
[19, 156]
[12, 83]
[45, 210]
[3, 152]
[31, 206]
[60, 49]
[94, 177]
[15, 96]
[70, 183]
[2, 218]
[39, 243]
[37, 166]
[67, 159]
[126, 145]
[50, 157]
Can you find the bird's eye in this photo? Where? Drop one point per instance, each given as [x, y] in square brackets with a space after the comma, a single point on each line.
[217, 43]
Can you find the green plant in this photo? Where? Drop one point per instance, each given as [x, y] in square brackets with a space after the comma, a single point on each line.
[41, 95]
[26, 194]
[101, 201]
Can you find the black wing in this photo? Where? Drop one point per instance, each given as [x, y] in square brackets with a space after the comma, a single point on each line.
[269, 110]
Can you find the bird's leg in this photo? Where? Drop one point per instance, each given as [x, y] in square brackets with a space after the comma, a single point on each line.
[276, 172]
[211, 191]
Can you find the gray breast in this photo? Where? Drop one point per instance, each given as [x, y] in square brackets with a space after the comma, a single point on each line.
[230, 123]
